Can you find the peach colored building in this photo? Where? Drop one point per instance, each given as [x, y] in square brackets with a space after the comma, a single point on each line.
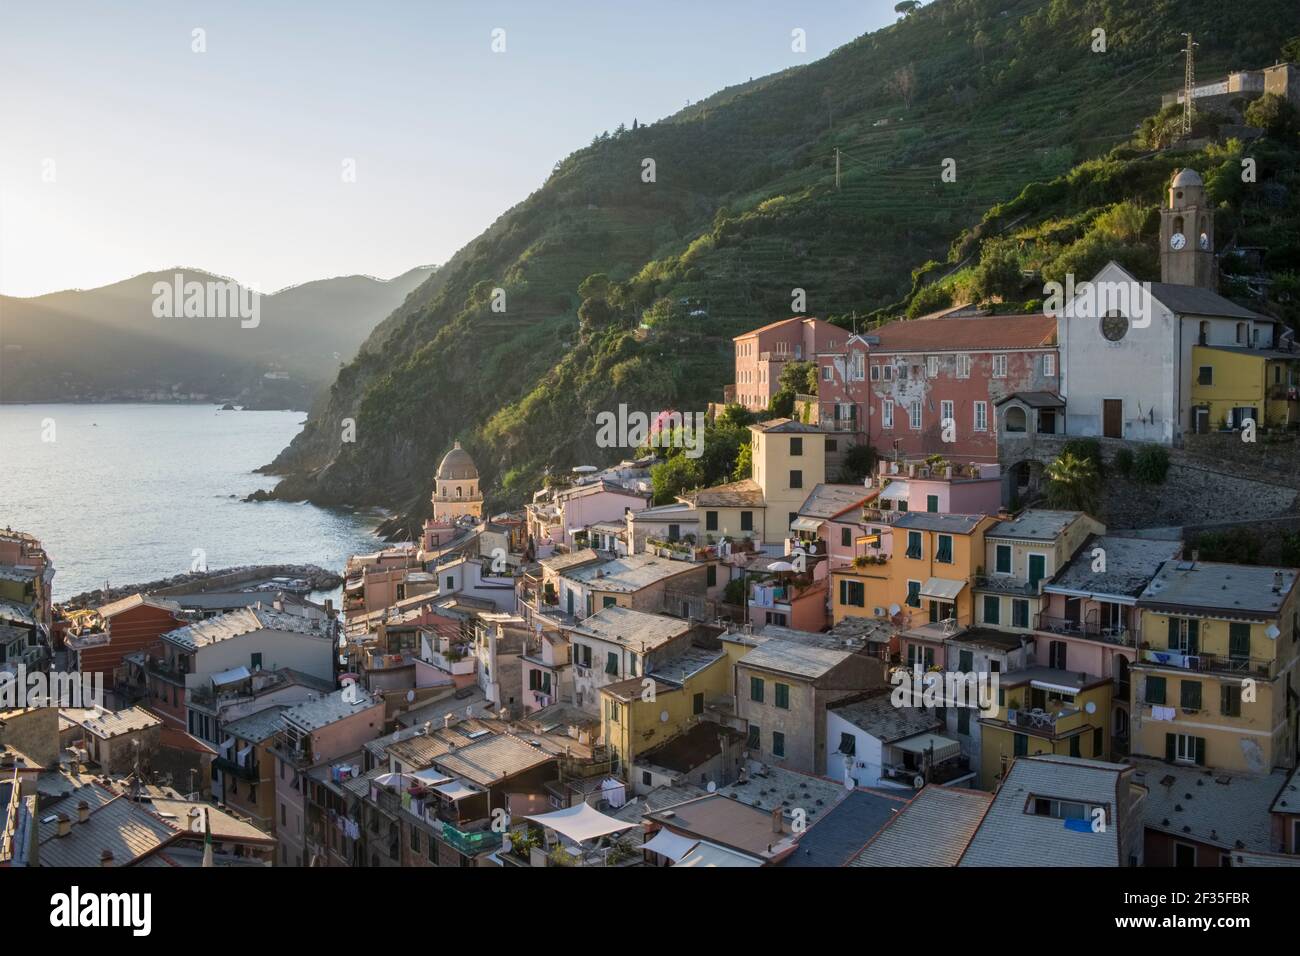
[764, 352]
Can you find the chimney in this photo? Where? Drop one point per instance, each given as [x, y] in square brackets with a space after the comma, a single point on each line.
[106, 858]
[65, 825]
[1277, 582]
[777, 819]
[83, 811]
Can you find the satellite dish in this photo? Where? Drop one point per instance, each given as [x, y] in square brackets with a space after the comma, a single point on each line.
[894, 609]
[410, 696]
[711, 787]
[1271, 632]
[918, 781]
[1090, 707]
[663, 716]
[469, 711]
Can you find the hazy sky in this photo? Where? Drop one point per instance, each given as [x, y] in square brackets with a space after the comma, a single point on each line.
[232, 159]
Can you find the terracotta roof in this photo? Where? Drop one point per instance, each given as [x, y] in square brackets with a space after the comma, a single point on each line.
[736, 494]
[773, 325]
[966, 334]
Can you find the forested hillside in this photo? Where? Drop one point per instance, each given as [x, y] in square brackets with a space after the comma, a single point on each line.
[620, 290]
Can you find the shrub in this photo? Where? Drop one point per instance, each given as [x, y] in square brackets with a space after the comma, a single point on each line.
[1088, 449]
[1151, 464]
[1124, 462]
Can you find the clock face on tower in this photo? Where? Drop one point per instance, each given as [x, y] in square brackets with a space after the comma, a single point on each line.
[1177, 241]
[1205, 240]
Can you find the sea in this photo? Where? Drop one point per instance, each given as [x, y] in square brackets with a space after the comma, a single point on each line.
[130, 493]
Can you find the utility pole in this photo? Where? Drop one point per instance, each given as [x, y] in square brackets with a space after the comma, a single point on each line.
[1189, 84]
[837, 168]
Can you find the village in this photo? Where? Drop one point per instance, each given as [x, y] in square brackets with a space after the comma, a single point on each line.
[739, 676]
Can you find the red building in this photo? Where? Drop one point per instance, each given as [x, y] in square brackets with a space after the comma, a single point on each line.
[131, 624]
[928, 386]
[763, 353]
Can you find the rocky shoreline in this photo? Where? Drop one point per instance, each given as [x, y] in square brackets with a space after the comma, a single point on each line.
[321, 579]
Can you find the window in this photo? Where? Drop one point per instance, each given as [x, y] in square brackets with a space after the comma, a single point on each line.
[852, 593]
[1184, 635]
[754, 739]
[1184, 748]
[963, 366]
[611, 663]
[943, 555]
[875, 373]
[1205, 375]
[913, 593]
[674, 532]
[710, 521]
[832, 444]
[1003, 559]
[747, 521]
[756, 689]
[582, 655]
[711, 576]
[945, 414]
[1019, 612]
[778, 744]
[914, 416]
[999, 366]
[697, 704]
[932, 366]
[1155, 690]
[887, 413]
[796, 446]
[608, 601]
[848, 744]
[932, 504]
[1189, 695]
[887, 372]
[1056, 655]
[846, 537]
[1021, 745]
[963, 720]
[1098, 742]
[1049, 365]
[257, 662]
[828, 373]
[1076, 748]
[1230, 700]
[782, 698]
[992, 609]
[1239, 641]
[981, 416]
[914, 544]
[415, 840]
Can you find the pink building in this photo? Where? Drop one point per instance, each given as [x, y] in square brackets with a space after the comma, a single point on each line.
[547, 671]
[316, 732]
[903, 486]
[763, 353]
[582, 506]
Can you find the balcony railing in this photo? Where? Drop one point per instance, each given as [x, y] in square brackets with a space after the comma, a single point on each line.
[1008, 585]
[470, 842]
[1209, 663]
[1111, 634]
[1042, 721]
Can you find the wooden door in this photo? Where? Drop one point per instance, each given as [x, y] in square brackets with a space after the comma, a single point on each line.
[1112, 418]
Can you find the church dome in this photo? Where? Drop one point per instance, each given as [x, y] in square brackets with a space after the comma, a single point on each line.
[1188, 177]
[456, 465]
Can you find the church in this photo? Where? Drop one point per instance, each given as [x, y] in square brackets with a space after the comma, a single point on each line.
[1154, 361]
[456, 487]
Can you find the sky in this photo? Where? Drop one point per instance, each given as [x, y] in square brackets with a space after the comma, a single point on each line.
[124, 150]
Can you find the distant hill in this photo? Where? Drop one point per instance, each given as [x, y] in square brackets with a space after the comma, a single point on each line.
[108, 344]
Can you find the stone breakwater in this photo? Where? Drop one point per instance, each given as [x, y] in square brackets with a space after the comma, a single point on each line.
[225, 579]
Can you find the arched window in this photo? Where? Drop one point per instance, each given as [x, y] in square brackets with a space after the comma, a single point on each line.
[1016, 420]
[1241, 333]
[1204, 336]
[1178, 223]
[458, 491]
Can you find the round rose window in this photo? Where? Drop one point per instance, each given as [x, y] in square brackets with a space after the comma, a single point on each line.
[1114, 326]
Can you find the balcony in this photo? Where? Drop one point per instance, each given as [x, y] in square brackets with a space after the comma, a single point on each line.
[1111, 634]
[470, 842]
[1007, 584]
[1044, 721]
[1209, 663]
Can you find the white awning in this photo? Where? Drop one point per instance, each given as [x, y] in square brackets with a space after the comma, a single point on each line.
[455, 790]
[921, 744]
[232, 676]
[580, 823]
[227, 744]
[243, 755]
[710, 854]
[942, 589]
[894, 491]
[669, 844]
[810, 525]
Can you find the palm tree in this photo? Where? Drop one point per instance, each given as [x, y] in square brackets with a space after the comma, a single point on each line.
[1073, 483]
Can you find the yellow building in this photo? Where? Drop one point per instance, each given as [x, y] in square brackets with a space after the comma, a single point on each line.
[643, 712]
[456, 487]
[1231, 384]
[1043, 710]
[1216, 667]
[789, 461]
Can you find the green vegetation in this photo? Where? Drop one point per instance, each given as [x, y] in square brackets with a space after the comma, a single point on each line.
[1151, 464]
[620, 291]
[1073, 483]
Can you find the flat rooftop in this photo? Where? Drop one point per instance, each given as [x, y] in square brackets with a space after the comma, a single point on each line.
[1228, 589]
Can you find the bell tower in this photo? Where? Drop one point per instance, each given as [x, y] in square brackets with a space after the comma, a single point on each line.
[1187, 234]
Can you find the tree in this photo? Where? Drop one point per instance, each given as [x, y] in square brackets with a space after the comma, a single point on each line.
[673, 477]
[902, 83]
[744, 463]
[859, 461]
[1073, 484]
[907, 7]
[1273, 114]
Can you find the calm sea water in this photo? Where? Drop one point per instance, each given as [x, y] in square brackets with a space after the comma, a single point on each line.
[125, 493]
